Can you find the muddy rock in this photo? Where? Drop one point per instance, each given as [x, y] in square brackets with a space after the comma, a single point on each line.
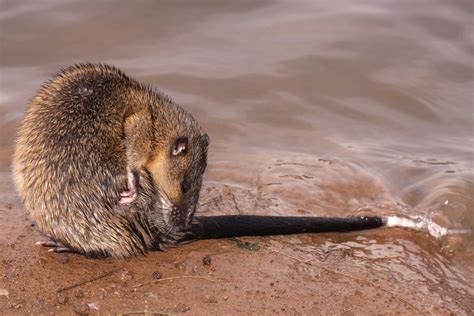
[82, 309]
[79, 293]
[206, 260]
[62, 299]
[157, 275]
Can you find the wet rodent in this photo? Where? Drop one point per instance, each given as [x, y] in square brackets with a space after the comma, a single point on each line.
[107, 166]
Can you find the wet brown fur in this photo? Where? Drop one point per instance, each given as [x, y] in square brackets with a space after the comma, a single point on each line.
[82, 132]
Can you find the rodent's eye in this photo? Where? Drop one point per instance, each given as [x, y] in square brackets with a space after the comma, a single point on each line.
[180, 146]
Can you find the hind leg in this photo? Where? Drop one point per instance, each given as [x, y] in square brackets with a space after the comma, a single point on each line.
[55, 246]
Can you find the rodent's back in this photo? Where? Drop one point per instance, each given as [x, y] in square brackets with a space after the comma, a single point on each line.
[71, 132]
[70, 159]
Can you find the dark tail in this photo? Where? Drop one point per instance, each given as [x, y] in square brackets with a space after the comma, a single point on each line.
[213, 227]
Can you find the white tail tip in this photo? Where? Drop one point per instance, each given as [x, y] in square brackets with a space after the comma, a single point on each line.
[421, 224]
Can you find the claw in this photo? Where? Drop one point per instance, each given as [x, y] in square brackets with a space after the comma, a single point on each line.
[56, 246]
[60, 249]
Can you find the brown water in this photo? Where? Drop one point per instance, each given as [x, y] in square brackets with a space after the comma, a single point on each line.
[313, 107]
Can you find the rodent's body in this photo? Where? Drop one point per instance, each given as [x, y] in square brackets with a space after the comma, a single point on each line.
[84, 131]
[107, 167]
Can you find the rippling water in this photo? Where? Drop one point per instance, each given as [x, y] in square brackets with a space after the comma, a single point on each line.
[313, 107]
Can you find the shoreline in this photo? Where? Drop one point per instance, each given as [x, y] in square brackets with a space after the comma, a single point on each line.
[388, 271]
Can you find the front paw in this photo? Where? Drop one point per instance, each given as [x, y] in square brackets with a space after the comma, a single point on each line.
[131, 194]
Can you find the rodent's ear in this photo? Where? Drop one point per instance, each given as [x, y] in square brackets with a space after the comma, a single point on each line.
[180, 146]
[207, 139]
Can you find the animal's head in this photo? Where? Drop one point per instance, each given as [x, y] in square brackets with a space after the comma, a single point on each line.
[177, 165]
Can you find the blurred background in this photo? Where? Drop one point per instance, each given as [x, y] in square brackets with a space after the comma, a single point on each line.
[313, 107]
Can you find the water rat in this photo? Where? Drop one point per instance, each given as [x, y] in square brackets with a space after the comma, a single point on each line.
[106, 166]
